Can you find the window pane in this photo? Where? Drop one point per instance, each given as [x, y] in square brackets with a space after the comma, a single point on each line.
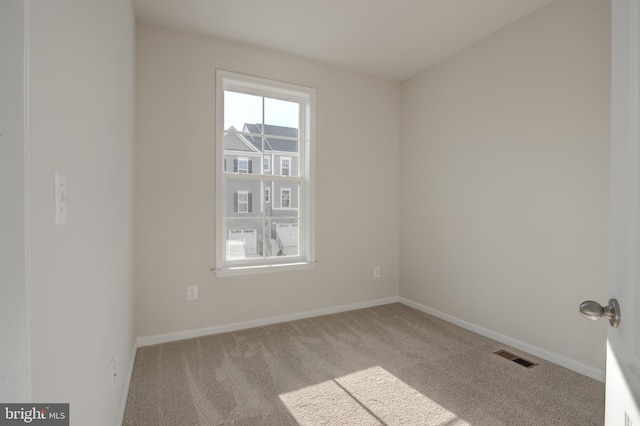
[240, 108]
[279, 115]
[244, 238]
[243, 198]
[254, 238]
[281, 237]
[286, 233]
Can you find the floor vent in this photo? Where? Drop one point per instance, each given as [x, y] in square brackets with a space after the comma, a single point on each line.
[515, 358]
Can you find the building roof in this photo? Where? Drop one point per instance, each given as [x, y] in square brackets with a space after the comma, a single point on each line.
[248, 142]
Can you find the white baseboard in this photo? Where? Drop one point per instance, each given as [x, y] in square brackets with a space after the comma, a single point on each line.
[127, 377]
[578, 367]
[189, 334]
[573, 365]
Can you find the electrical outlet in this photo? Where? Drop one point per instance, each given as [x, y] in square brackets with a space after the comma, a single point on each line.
[376, 272]
[192, 292]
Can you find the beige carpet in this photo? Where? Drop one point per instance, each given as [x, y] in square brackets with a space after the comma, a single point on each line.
[388, 365]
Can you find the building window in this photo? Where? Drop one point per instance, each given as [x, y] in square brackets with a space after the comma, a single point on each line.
[258, 118]
[285, 166]
[242, 202]
[242, 165]
[285, 198]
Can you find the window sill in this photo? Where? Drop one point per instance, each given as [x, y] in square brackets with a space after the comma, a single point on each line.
[263, 269]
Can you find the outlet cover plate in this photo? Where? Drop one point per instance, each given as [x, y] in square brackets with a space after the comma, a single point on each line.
[376, 272]
[192, 292]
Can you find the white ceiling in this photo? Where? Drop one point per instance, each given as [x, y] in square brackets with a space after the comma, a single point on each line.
[393, 39]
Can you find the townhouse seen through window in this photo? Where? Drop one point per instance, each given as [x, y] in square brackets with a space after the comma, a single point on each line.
[262, 123]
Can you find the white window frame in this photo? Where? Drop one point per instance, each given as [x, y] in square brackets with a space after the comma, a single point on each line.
[305, 181]
[266, 164]
[267, 195]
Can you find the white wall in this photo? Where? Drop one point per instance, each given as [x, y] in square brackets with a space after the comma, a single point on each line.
[81, 59]
[505, 167]
[357, 164]
[13, 299]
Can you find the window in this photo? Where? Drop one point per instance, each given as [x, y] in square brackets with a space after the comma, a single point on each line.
[273, 121]
[243, 165]
[285, 198]
[285, 166]
[242, 202]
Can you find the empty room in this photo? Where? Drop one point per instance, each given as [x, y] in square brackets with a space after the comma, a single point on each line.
[320, 212]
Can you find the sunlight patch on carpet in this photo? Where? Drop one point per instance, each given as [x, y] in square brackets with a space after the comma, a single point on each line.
[368, 397]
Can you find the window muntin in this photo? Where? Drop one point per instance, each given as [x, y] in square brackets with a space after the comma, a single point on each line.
[251, 128]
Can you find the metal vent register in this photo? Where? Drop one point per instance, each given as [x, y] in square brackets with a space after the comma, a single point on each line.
[515, 358]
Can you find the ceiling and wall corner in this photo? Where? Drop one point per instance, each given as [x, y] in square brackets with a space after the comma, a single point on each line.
[388, 39]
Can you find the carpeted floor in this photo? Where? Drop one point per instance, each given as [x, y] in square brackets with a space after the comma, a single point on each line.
[388, 365]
